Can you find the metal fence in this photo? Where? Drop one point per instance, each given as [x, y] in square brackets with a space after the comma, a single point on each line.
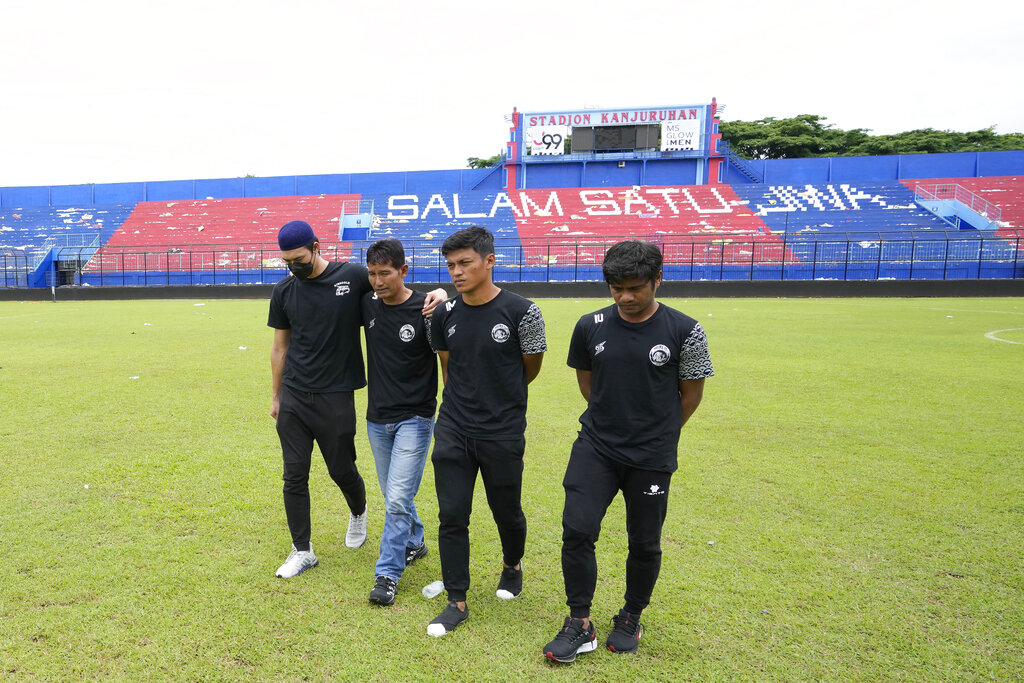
[803, 256]
[14, 268]
[954, 192]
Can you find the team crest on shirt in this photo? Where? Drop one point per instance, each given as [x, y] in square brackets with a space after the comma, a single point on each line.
[407, 333]
[659, 354]
[369, 326]
[599, 348]
[451, 330]
[499, 333]
[341, 288]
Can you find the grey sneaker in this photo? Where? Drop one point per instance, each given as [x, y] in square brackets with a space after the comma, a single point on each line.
[356, 534]
[298, 561]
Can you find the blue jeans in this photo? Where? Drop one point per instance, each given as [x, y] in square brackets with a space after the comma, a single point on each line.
[400, 451]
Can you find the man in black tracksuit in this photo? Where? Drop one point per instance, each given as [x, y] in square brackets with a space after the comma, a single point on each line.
[491, 343]
[641, 367]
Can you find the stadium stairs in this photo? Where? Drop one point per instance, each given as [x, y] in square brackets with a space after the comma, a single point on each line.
[873, 230]
[1004, 192]
[28, 235]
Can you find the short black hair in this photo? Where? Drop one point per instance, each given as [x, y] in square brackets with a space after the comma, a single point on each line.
[474, 237]
[386, 252]
[631, 260]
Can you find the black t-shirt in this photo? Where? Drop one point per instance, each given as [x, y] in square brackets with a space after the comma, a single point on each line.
[400, 361]
[634, 414]
[324, 353]
[485, 396]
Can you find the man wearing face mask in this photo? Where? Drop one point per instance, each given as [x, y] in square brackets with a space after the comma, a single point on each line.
[316, 365]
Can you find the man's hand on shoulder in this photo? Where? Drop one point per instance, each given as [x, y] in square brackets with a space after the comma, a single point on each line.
[434, 298]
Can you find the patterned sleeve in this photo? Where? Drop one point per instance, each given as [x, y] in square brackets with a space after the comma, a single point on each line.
[531, 332]
[430, 338]
[694, 360]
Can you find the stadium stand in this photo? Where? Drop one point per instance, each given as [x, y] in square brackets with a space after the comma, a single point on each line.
[225, 235]
[562, 233]
[1004, 192]
[874, 230]
[854, 208]
[31, 226]
[27, 235]
[857, 225]
[699, 227]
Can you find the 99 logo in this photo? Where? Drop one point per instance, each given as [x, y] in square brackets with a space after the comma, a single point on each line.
[549, 140]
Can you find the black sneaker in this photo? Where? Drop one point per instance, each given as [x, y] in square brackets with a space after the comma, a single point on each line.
[413, 554]
[446, 621]
[383, 592]
[625, 635]
[510, 585]
[572, 640]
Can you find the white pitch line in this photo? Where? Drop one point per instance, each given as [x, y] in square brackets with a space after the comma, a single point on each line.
[967, 310]
[992, 335]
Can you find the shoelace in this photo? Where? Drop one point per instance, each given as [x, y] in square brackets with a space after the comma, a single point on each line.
[571, 631]
[296, 557]
[385, 583]
[627, 624]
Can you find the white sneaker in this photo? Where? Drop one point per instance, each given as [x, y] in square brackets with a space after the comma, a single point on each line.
[356, 534]
[298, 561]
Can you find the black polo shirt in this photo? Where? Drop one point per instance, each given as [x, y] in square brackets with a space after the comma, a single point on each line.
[323, 314]
[485, 395]
[400, 361]
[634, 414]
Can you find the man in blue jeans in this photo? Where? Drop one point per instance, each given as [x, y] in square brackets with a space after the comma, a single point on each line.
[402, 397]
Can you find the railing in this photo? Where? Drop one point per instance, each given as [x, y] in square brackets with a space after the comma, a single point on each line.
[14, 268]
[947, 191]
[63, 241]
[745, 167]
[863, 256]
[614, 155]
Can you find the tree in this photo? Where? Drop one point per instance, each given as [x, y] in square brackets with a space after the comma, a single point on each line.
[808, 135]
[477, 162]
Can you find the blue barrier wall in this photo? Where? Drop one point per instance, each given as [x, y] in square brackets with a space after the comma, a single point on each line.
[71, 195]
[458, 180]
[895, 167]
[536, 175]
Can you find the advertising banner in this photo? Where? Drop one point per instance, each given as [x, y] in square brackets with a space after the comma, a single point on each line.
[546, 139]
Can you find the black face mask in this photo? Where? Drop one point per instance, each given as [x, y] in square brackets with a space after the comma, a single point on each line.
[302, 269]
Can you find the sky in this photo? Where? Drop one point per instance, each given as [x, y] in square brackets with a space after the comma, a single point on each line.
[119, 91]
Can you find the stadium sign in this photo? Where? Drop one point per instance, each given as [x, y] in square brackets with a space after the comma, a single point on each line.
[616, 117]
[678, 127]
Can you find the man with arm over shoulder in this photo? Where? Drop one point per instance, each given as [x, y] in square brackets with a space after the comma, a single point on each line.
[402, 397]
[316, 365]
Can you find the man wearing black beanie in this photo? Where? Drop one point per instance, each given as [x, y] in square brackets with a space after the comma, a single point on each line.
[316, 365]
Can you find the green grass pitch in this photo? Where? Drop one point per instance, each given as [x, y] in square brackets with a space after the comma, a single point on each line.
[849, 506]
